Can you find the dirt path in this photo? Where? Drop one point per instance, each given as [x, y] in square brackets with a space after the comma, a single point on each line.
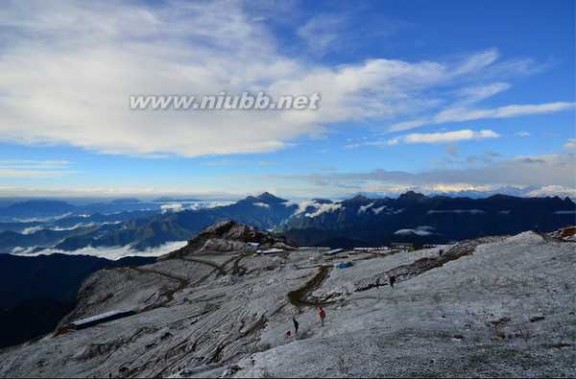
[182, 282]
[237, 269]
[216, 266]
[300, 297]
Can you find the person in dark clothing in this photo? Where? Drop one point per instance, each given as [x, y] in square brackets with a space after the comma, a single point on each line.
[296, 325]
[322, 315]
[392, 280]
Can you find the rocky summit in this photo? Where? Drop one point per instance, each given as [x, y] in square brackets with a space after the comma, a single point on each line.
[226, 236]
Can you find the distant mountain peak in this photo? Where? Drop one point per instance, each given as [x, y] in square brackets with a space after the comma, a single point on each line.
[501, 196]
[358, 199]
[412, 196]
[267, 197]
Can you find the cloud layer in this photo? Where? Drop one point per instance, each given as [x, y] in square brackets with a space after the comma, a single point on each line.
[551, 170]
[69, 69]
[34, 168]
[462, 114]
[445, 137]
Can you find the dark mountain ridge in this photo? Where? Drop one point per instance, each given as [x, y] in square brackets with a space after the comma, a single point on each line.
[412, 217]
[36, 292]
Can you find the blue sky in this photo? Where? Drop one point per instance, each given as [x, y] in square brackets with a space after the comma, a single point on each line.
[433, 96]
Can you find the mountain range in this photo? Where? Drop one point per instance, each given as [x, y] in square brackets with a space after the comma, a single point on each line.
[417, 218]
[359, 221]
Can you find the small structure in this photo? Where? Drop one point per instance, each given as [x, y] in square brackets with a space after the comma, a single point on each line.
[371, 249]
[270, 251]
[403, 246]
[334, 251]
[343, 265]
[101, 318]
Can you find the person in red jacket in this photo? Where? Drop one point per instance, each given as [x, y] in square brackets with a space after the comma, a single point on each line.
[322, 315]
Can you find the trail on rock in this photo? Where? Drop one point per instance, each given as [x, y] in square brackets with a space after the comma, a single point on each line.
[418, 267]
[182, 283]
[300, 297]
[217, 267]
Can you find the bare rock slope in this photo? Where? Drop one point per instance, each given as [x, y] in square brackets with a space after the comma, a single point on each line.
[490, 307]
[228, 236]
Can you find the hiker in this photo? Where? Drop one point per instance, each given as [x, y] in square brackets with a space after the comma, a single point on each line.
[296, 325]
[392, 280]
[322, 315]
[288, 334]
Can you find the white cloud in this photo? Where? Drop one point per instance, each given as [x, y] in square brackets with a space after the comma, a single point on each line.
[570, 144]
[112, 252]
[444, 137]
[69, 69]
[478, 61]
[26, 168]
[139, 191]
[523, 133]
[320, 33]
[474, 94]
[462, 114]
[431, 138]
[172, 207]
[548, 170]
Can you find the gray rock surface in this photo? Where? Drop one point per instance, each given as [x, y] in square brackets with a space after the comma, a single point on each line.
[491, 307]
